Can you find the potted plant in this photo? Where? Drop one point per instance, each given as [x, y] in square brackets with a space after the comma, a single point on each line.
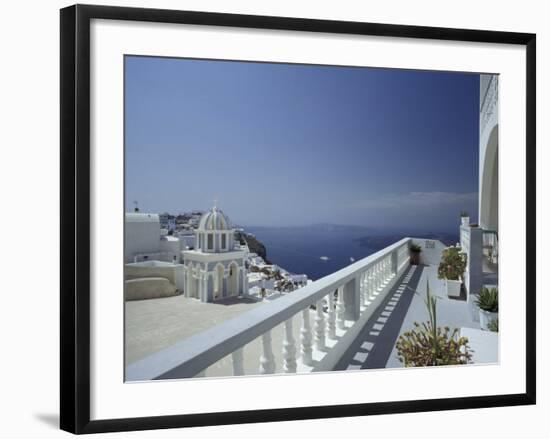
[430, 345]
[415, 251]
[487, 302]
[451, 269]
[465, 218]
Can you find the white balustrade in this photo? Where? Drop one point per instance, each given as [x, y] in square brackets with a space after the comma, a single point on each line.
[267, 360]
[320, 327]
[362, 289]
[340, 309]
[305, 338]
[237, 358]
[331, 331]
[370, 284]
[289, 348]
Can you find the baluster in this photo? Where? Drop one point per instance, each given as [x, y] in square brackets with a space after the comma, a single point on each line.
[340, 309]
[367, 286]
[320, 326]
[238, 362]
[361, 289]
[365, 289]
[267, 360]
[378, 275]
[305, 337]
[371, 284]
[331, 317]
[289, 348]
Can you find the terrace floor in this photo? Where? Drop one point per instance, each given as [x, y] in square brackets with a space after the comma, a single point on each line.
[155, 324]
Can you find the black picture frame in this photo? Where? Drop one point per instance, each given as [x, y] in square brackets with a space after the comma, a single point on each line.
[75, 217]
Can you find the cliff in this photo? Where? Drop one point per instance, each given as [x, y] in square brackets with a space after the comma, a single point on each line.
[254, 245]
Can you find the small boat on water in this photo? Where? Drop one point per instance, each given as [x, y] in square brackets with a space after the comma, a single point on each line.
[352, 259]
[324, 258]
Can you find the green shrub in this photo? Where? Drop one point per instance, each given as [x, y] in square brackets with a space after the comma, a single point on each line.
[415, 248]
[430, 345]
[493, 325]
[452, 265]
[488, 299]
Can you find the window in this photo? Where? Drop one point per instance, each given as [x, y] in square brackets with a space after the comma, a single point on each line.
[210, 241]
[223, 241]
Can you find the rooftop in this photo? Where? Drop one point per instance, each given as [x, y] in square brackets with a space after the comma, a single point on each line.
[154, 324]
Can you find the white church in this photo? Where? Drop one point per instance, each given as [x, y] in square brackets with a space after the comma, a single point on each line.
[215, 268]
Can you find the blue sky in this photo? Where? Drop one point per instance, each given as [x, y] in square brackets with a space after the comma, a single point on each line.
[280, 144]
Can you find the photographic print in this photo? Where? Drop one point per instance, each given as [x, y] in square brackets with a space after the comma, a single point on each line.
[276, 218]
[292, 218]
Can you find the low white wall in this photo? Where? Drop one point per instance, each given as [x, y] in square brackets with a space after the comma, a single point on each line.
[148, 288]
[171, 272]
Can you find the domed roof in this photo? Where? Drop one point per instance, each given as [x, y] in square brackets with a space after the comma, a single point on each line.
[214, 220]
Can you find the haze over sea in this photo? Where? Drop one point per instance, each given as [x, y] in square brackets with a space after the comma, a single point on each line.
[300, 249]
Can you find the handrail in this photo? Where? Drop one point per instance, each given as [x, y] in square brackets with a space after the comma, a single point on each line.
[192, 355]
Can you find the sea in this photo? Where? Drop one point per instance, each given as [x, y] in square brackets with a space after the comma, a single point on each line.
[316, 252]
[320, 250]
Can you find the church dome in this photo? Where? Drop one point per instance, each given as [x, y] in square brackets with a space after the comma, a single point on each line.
[214, 220]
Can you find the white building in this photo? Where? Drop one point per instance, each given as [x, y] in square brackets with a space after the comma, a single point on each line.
[141, 236]
[480, 242]
[215, 268]
[145, 240]
[187, 240]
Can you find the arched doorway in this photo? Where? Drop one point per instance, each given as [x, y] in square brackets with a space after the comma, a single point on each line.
[218, 282]
[233, 281]
[488, 200]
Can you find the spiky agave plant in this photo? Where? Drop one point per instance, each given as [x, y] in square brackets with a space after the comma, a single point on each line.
[429, 345]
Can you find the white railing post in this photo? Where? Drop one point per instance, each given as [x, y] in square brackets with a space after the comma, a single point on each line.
[320, 326]
[267, 360]
[289, 348]
[331, 317]
[305, 338]
[237, 358]
[340, 309]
